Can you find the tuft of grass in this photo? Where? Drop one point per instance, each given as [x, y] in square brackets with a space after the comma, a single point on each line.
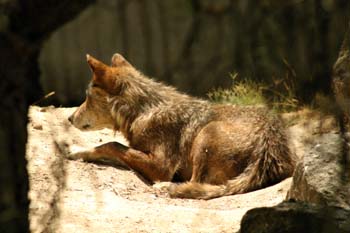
[280, 95]
[243, 92]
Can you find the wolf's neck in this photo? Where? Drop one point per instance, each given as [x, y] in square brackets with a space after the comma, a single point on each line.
[141, 96]
[152, 93]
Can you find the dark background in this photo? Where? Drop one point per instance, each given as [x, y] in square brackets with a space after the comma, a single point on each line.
[195, 45]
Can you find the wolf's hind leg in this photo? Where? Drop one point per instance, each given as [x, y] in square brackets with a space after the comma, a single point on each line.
[215, 157]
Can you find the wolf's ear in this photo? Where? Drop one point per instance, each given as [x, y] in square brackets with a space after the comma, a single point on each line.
[119, 60]
[96, 66]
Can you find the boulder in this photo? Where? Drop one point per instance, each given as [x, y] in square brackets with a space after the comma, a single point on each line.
[321, 176]
[296, 217]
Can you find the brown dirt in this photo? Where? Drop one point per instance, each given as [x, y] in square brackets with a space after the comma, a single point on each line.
[75, 196]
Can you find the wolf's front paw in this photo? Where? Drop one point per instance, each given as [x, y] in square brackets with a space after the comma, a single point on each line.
[76, 153]
[74, 156]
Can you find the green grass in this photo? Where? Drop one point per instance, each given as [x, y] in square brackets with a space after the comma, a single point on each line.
[245, 92]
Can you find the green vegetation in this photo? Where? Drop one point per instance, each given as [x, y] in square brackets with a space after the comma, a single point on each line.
[242, 92]
[280, 95]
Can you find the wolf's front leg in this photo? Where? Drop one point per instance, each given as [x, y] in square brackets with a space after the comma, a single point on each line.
[150, 166]
[102, 152]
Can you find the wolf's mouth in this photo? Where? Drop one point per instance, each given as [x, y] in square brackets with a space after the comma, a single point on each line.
[86, 126]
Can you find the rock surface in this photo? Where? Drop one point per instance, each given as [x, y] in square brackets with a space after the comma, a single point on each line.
[321, 176]
[293, 217]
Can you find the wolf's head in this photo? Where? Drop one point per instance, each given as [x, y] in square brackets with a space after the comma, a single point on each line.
[107, 84]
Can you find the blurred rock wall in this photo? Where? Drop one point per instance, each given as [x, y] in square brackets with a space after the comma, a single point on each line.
[196, 44]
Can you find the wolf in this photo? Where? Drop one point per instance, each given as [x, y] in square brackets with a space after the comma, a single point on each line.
[210, 150]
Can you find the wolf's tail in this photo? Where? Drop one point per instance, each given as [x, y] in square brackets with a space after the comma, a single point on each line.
[271, 162]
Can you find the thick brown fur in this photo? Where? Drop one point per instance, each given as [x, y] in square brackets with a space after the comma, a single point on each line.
[216, 150]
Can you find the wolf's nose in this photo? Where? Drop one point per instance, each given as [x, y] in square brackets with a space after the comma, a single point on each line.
[70, 119]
